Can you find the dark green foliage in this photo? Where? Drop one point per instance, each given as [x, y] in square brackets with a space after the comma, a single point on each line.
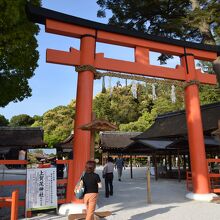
[21, 120]
[163, 18]
[181, 19]
[192, 20]
[3, 121]
[18, 54]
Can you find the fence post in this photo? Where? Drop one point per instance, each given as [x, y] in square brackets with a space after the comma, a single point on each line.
[14, 205]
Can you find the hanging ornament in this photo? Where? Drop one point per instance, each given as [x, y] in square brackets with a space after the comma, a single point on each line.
[103, 85]
[173, 94]
[118, 84]
[154, 96]
[145, 86]
[134, 89]
[110, 85]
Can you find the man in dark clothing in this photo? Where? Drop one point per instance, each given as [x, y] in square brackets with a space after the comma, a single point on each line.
[108, 175]
[119, 164]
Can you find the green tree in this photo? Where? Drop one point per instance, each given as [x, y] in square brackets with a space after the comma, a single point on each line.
[136, 113]
[3, 121]
[57, 123]
[120, 106]
[150, 108]
[102, 106]
[38, 121]
[143, 123]
[194, 20]
[209, 94]
[18, 54]
[21, 120]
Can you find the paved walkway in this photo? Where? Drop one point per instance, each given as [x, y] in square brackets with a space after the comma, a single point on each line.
[168, 201]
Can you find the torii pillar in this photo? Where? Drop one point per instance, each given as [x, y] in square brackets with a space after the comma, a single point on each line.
[81, 143]
[201, 190]
[82, 138]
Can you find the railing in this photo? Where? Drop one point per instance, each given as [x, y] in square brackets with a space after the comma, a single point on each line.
[189, 184]
[11, 202]
[214, 176]
[23, 182]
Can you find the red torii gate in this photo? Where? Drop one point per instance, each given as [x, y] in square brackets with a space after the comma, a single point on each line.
[91, 32]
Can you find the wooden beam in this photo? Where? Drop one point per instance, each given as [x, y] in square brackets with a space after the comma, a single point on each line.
[128, 41]
[70, 58]
[70, 30]
[206, 78]
[138, 68]
[13, 162]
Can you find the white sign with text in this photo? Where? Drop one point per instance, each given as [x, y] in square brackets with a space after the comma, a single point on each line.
[41, 191]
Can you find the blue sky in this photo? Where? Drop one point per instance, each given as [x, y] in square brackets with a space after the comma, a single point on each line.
[53, 84]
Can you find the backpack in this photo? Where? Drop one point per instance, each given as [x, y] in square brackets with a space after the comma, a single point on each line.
[80, 188]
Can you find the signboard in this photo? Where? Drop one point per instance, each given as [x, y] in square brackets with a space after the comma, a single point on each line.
[41, 188]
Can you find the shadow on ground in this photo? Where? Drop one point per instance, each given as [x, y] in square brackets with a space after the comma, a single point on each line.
[151, 213]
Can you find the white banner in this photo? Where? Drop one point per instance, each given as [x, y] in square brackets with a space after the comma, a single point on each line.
[41, 191]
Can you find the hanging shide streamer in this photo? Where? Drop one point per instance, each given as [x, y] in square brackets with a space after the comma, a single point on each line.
[173, 94]
[154, 96]
[134, 89]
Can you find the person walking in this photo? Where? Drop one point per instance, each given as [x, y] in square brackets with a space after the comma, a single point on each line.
[91, 182]
[107, 173]
[119, 164]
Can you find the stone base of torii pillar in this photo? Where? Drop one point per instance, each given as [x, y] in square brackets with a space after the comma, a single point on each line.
[71, 208]
[201, 197]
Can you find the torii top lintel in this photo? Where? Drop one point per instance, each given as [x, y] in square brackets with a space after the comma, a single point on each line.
[63, 24]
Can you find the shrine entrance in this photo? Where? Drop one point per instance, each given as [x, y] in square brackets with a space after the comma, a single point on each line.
[88, 61]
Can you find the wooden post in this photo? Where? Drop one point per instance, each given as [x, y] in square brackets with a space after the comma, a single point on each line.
[189, 163]
[170, 161]
[184, 162]
[28, 214]
[70, 170]
[149, 200]
[166, 162]
[92, 144]
[178, 164]
[102, 159]
[14, 205]
[131, 167]
[155, 166]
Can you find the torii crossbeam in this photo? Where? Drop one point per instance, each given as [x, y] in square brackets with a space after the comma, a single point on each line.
[91, 32]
